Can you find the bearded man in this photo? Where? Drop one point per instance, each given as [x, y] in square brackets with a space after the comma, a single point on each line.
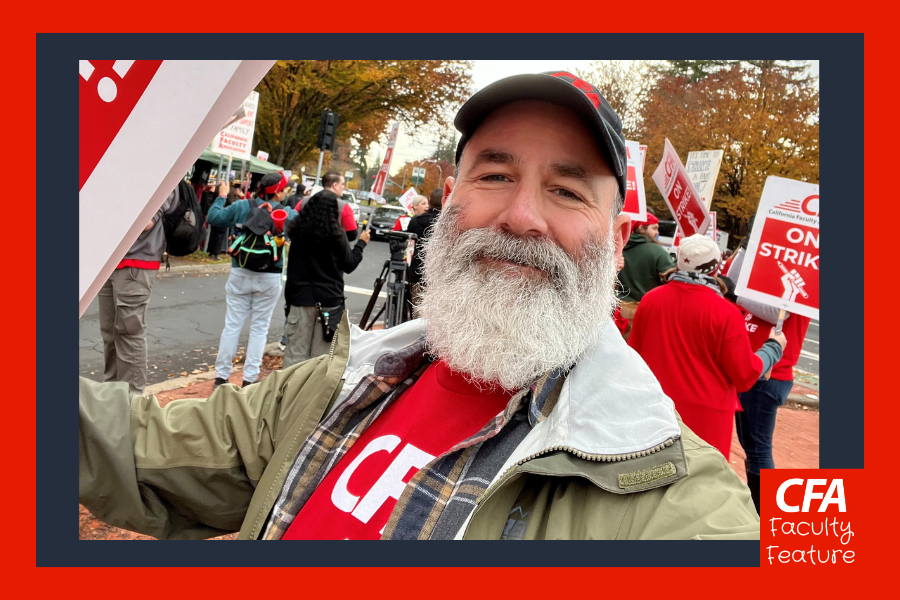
[512, 410]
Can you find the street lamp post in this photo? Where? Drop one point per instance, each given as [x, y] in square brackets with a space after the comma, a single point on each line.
[440, 170]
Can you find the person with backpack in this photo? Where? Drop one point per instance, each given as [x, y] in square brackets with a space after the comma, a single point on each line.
[123, 301]
[254, 284]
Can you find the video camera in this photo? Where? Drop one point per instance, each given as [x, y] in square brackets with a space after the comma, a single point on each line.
[398, 241]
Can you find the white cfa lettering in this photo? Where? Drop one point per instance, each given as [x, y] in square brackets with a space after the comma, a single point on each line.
[779, 496]
[390, 484]
[340, 496]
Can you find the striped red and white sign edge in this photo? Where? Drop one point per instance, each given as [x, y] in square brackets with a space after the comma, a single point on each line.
[182, 107]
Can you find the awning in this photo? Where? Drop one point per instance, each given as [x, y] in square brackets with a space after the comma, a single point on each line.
[255, 166]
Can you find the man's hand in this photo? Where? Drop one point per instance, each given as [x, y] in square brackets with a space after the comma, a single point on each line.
[778, 337]
[222, 189]
[365, 235]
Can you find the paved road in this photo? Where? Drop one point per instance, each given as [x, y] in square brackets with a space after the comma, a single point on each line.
[187, 312]
[186, 315]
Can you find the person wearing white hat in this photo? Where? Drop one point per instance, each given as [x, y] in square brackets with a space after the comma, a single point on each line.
[696, 344]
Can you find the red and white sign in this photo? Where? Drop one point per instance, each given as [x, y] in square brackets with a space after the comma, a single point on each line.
[381, 178]
[263, 156]
[144, 122]
[236, 137]
[781, 268]
[680, 194]
[643, 157]
[703, 169]
[635, 198]
[407, 198]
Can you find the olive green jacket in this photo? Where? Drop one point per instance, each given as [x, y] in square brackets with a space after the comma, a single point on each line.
[593, 469]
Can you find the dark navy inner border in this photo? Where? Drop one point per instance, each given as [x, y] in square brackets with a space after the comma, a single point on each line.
[841, 419]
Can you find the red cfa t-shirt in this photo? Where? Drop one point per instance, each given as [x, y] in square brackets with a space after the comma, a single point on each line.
[794, 330]
[696, 344]
[356, 498]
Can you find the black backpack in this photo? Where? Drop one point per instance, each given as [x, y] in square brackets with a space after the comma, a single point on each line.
[183, 222]
[253, 245]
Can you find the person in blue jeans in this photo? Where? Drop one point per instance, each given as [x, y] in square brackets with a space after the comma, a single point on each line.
[249, 293]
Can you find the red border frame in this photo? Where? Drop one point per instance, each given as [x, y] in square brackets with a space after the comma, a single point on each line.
[19, 438]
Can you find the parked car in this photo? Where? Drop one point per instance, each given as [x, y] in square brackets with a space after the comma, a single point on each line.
[383, 219]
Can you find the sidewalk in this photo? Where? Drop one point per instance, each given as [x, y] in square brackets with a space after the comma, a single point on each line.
[796, 443]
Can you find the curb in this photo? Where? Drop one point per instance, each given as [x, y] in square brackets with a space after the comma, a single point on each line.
[187, 269]
[802, 399]
[180, 382]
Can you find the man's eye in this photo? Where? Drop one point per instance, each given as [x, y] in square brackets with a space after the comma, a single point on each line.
[495, 177]
[567, 194]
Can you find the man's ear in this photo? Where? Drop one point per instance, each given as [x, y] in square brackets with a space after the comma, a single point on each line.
[621, 229]
[448, 189]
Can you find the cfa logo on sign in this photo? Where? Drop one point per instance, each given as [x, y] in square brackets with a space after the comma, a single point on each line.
[834, 495]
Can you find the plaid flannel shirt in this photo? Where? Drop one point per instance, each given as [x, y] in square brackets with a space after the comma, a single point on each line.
[440, 496]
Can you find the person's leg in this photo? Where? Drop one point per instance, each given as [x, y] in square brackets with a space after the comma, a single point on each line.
[132, 292]
[107, 305]
[237, 308]
[756, 427]
[304, 333]
[266, 290]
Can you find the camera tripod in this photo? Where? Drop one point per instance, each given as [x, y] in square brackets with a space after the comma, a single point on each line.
[396, 306]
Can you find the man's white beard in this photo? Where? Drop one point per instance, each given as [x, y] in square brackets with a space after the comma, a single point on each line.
[501, 326]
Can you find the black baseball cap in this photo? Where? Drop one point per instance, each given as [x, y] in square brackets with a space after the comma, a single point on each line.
[556, 87]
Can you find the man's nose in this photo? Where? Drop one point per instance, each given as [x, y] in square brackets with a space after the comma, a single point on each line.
[523, 214]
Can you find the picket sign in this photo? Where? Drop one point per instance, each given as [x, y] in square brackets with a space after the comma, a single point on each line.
[781, 267]
[635, 199]
[703, 169]
[407, 198]
[680, 194]
[377, 191]
[142, 124]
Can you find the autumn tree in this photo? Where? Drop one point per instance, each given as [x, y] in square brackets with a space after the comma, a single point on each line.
[692, 70]
[625, 84]
[434, 176]
[366, 94]
[765, 118]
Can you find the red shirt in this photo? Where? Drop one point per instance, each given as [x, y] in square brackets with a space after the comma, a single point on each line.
[356, 498]
[696, 344]
[347, 220]
[794, 329]
[138, 264]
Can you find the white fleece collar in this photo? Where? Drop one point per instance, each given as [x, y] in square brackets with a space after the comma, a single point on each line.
[610, 403]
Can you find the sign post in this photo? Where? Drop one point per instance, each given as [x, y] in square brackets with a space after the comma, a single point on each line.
[781, 267]
[680, 195]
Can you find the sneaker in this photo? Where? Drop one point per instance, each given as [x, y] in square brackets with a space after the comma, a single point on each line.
[245, 383]
[282, 346]
[219, 381]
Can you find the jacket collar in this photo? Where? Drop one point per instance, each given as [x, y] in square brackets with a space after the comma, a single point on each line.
[610, 405]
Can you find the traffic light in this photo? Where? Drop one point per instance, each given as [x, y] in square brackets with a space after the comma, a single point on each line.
[327, 128]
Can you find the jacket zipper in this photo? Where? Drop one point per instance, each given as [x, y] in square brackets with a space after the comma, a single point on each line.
[333, 342]
[582, 455]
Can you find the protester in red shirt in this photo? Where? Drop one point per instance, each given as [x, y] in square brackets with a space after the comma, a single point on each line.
[695, 343]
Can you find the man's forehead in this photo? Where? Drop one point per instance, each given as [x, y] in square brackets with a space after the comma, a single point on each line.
[522, 116]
